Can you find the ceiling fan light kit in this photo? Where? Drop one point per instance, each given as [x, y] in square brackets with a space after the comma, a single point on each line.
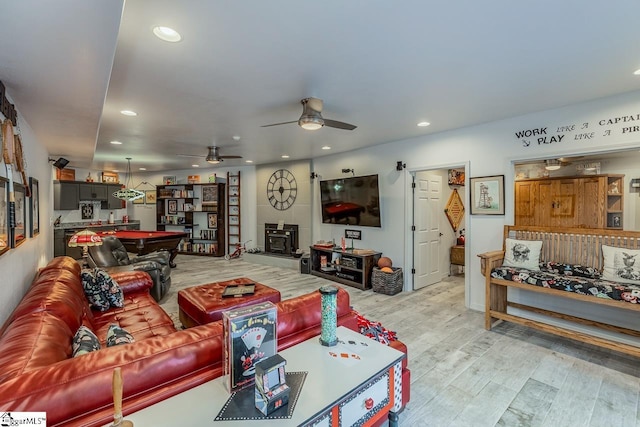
[552, 165]
[311, 118]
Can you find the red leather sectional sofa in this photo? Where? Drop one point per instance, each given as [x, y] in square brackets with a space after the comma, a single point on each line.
[37, 372]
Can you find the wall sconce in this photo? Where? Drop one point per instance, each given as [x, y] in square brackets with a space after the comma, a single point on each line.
[60, 163]
[400, 165]
[353, 171]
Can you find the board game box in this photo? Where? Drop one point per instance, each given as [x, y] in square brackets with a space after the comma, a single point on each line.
[250, 335]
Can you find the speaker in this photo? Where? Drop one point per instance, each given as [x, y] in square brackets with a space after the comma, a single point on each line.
[305, 264]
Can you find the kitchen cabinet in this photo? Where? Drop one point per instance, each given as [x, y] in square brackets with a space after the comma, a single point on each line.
[92, 191]
[593, 201]
[67, 195]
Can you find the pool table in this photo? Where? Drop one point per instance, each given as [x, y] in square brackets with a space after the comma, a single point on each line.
[338, 211]
[144, 242]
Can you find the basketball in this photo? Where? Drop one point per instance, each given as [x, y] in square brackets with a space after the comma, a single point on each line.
[385, 262]
[386, 269]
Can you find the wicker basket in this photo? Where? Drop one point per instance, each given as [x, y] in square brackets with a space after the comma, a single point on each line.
[386, 283]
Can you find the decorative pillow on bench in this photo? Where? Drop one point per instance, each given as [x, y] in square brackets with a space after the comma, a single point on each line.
[621, 264]
[522, 254]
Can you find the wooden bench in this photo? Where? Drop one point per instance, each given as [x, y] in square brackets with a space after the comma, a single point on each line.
[569, 246]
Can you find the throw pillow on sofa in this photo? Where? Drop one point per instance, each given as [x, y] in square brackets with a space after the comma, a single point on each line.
[522, 254]
[84, 341]
[93, 291]
[621, 265]
[117, 336]
[110, 288]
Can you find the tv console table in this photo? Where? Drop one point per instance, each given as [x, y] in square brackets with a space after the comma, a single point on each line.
[351, 267]
[336, 391]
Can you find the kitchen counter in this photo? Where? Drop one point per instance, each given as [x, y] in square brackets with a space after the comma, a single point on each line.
[92, 225]
[63, 232]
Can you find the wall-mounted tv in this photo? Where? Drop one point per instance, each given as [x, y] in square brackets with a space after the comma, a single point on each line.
[351, 201]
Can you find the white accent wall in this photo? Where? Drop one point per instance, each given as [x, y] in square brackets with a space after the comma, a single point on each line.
[486, 149]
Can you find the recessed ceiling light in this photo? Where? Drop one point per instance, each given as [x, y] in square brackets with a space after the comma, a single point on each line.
[637, 72]
[236, 137]
[116, 142]
[128, 113]
[326, 147]
[142, 169]
[248, 161]
[423, 124]
[285, 156]
[167, 34]
[196, 166]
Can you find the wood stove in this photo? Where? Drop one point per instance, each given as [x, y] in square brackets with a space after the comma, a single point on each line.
[282, 241]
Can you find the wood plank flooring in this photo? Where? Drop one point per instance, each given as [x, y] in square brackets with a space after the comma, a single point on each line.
[461, 374]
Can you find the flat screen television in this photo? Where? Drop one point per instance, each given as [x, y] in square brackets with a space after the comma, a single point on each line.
[351, 201]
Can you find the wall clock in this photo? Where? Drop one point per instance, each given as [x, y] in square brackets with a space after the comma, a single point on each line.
[282, 189]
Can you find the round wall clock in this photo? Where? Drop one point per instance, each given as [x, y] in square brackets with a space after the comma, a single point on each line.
[282, 189]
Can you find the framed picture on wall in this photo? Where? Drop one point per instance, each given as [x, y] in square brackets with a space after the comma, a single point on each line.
[487, 195]
[456, 176]
[34, 207]
[20, 232]
[172, 206]
[212, 220]
[5, 243]
[150, 197]
[209, 194]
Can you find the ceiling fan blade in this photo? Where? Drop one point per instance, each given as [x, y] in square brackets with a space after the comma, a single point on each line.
[189, 155]
[229, 157]
[278, 124]
[339, 125]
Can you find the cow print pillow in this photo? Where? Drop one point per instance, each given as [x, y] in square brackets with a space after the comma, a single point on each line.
[522, 254]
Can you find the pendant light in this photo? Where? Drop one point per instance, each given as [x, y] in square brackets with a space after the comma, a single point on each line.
[127, 193]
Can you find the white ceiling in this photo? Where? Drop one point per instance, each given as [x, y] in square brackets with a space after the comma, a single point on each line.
[70, 66]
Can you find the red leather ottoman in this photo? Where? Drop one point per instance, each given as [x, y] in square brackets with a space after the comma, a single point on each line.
[204, 304]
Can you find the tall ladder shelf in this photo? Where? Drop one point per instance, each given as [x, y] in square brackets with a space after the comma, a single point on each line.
[233, 210]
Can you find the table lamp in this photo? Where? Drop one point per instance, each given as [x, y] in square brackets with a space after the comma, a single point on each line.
[85, 238]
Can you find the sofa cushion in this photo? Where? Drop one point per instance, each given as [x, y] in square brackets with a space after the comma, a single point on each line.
[297, 315]
[594, 287]
[93, 291]
[84, 341]
[118, 336]
[33, 341]
[522, 254]
[570, 270]
[621, 265]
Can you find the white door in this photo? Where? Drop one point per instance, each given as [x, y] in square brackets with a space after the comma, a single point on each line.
[427, 202]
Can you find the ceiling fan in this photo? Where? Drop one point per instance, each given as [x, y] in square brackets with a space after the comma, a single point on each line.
[311, 118]
[213, 156]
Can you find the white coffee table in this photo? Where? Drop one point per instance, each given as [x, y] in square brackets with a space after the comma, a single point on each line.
[351, 390]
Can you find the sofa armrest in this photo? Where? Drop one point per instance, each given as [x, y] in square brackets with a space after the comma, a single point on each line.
[130, 280]
[77, 391]
[161, 257]
[489, 261]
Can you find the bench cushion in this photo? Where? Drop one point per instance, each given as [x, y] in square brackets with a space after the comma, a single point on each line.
[581, 285]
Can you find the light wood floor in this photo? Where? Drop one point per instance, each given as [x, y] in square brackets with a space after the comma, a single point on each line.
[462, 375]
